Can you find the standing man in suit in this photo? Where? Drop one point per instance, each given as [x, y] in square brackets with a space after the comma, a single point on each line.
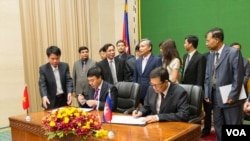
[164, 101]
[98, 91]
[55, 83]
[113, 69]
[194, 63]
[194, 71]
[224, 67]
[130, 64]
[144, 65]
[80, 69]
[121, 48]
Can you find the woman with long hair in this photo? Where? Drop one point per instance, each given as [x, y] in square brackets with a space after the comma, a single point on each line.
[171, 60]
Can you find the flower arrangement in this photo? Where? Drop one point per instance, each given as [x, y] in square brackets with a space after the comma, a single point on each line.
[72, 120]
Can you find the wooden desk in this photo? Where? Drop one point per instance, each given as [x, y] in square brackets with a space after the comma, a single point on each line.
[167, 131]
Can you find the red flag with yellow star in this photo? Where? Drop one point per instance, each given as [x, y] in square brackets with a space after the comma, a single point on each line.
[26, 103]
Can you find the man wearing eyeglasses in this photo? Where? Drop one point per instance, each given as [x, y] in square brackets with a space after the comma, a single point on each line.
[164, 101]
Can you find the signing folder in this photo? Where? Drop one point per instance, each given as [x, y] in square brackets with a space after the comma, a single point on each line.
[225, 90]
[129, 120]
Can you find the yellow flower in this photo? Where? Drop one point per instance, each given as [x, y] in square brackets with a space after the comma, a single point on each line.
[76, 121]
[66, 120]
[52, 123]
[101, 133]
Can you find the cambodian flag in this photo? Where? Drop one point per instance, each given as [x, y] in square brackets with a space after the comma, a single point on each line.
[107, 112]
[125, 33]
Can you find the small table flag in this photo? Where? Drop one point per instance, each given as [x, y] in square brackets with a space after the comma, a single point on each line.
[26, 103]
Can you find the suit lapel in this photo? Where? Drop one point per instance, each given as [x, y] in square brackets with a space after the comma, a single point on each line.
[50, 72]
[192, 59]
[117, 63]
[148, 63]
[167, 99]
[140, 65]
[224, 53]
[104, 90]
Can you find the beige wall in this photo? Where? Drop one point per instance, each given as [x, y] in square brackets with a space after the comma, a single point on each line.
[11, 61]
[104, 26]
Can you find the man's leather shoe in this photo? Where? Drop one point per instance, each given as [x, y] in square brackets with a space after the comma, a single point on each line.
[204, 134]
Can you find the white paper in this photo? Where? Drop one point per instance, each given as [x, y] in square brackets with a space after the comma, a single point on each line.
[120, 119]
[225, 90]
[86, 109]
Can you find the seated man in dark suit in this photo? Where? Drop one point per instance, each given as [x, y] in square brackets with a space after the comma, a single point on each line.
[98, 91]
[164, 101]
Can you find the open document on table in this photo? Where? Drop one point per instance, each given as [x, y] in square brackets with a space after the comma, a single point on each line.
[225, 90]
[129, 120]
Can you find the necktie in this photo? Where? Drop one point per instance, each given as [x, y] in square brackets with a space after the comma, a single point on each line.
[96, 94]
[162, 99]
[96, 98]
[186, 64]
[113, 72]
[214, 70]
[83, 66]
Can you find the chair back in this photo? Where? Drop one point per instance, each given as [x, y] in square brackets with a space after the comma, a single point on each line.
[128, 96]
[195, 100]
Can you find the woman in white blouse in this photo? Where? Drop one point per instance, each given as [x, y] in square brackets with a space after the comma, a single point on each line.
[171, 60]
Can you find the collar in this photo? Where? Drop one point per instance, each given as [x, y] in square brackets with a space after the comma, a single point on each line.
[111, 60]
[100, 86]
[166, 90]
[191, 54]
[220, 50]
[54, 68]
[147, 57]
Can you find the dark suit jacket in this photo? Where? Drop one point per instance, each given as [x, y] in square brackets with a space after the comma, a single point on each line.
[195, 71]
[143, 78]
[247, 72]
[124, 56]
[229, 70]
[175, 105]
[47, 82]
[103, 95]
[130, 68]
[106, 72]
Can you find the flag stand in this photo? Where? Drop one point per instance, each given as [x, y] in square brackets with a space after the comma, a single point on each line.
[27, 118]
[111, 133]
[26, 103]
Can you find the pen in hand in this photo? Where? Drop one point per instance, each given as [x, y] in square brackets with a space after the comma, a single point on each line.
[136, 113]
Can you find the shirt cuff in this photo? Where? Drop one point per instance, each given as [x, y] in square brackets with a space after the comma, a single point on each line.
[157, 117]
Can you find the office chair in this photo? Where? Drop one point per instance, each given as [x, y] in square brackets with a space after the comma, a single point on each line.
[128, 96]
[195, 99]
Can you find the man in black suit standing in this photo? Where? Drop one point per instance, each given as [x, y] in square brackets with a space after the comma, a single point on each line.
[98, 91]
[164, 101]
[194, 71]
[55, 83]
[194, 63]
[113, 69]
